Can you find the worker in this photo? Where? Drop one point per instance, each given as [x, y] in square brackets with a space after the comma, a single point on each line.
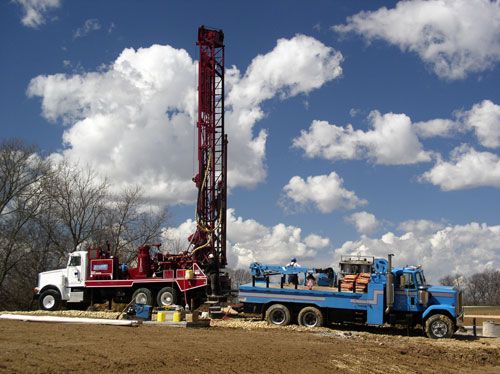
[293, 278]
[310, 281]
[212, 270]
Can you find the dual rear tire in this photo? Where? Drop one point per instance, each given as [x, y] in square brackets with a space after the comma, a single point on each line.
[310, 317]
[165, 296]
[279, 314]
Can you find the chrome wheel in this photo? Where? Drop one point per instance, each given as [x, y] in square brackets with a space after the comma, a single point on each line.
[49, 301]
[166, 298]
[439, 329]
[141, 298]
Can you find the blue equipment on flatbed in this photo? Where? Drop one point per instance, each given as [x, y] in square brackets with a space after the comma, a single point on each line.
[368, 291]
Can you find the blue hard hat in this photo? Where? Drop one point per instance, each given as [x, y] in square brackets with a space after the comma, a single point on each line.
[293, 259]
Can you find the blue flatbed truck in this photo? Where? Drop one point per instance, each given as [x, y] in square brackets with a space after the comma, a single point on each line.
[384, 295]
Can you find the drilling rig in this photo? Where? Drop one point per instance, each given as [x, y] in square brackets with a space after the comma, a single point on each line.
[211, 182]
[93, 275]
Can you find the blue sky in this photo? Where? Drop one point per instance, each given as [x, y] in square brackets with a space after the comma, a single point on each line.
[417, 174]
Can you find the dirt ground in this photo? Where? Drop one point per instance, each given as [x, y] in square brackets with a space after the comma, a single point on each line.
[42, 348]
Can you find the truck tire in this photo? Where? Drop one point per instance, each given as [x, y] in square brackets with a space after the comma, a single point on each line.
[50, 300]
[310, 317]
[166, 296]
[142, 296]
[439, 326]
[278, 314]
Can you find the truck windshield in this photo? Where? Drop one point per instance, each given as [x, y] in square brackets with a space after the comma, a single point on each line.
[420, 279]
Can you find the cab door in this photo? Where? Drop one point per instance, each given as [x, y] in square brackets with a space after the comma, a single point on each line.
[74, 271]
[411, 293]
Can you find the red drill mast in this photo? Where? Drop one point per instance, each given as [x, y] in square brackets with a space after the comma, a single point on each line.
[210, 235]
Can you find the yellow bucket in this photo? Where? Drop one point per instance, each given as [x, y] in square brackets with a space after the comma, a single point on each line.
[189, 274]
[160, 316]
[177, 316]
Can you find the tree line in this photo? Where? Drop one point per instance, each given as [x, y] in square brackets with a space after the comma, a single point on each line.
[481, 288]
[49, 209]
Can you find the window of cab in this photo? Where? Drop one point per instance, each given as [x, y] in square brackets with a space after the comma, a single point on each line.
[406, 280]
[75, 260]
[421, 279]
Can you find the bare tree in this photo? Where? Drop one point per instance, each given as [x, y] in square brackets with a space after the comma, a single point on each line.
[22, 175]
[479, 289]
[454, 280]
[484, 288]
[48, 210]
[175, 244]
[239, 277]
[77, 196]
[128, 222]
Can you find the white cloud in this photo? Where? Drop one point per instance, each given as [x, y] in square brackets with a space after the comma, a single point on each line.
[353, 112]
[134, 120]
[326, 192]
[131, 122]
[467, 168]
[35, 11]
[455, 37]
[421, 226]
[484, 119]
[316, 241]
[464, 249]
[88, 26]
[364, 222]
[436, 127]
[392, 141]
[250, 241]
[294, 66]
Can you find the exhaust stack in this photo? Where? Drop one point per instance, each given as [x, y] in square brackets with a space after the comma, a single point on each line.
[389, 287]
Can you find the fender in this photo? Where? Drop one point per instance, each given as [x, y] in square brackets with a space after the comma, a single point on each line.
[439, 307]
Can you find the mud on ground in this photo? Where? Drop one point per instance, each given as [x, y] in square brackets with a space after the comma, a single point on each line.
[227, 347]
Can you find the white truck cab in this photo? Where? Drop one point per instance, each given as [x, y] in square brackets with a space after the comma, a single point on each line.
[56, 286]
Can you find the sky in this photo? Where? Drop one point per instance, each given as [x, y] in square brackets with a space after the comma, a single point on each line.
[367, 127]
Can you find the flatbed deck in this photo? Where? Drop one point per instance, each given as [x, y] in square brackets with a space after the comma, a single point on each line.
[289, 286]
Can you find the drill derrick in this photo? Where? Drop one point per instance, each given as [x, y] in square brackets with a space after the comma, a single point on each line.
[210, 235]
